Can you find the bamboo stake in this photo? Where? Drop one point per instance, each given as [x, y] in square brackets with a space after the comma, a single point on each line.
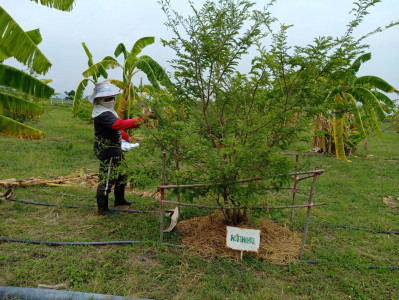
[241, 207]
[288, 206]
[296, 179]
[162, 210]
[173, 186]
[178, 193]
[310, 204]
[294, 188]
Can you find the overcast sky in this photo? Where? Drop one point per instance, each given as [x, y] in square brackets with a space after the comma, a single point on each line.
[103, 24]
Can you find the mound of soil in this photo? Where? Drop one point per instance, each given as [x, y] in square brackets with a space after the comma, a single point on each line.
[207, 237]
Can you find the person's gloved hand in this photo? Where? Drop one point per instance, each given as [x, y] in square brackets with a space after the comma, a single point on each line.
[151, 115]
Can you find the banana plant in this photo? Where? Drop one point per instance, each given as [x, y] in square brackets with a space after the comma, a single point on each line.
[359, 99]
[15, 42]
[132, 64]
[82, 108]
[64, 5]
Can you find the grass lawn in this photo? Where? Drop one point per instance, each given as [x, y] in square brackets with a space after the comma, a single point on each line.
[353, 192]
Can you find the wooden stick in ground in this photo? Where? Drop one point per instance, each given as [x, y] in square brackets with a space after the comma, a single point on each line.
[162, 210]
[293, 199]
[241, 207]
[310, 204]
[178, 193]
[173, 186]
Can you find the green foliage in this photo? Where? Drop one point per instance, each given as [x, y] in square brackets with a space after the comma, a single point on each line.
[69, 95]
[226, 126]
[64, 5]
[14, 104]
[13, 128]
[19, 45]
[16, 79]
[361, 101]
[14, 42]
[148, 270]
[131, 65]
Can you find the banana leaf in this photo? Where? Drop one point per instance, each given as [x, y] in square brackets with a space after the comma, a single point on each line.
[17, 43]
[19, 80]
[121, 49]
[107, 63]
[34, 35]
[338, 138]
[77, 100]
[12, 128]
[64, 5]
[14, 104]
[376, 82]
[140, 44]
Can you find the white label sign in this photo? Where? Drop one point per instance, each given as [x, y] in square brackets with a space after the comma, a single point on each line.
[243, 239]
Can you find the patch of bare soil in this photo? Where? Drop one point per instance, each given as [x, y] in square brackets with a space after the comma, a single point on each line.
[207, 237]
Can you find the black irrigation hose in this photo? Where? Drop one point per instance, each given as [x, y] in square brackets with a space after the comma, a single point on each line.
[316, 262]
[102, 243]
[76, 206]
[145, 212]
[355, 228]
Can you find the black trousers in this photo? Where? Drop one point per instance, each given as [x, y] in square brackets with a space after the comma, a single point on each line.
[113, 171]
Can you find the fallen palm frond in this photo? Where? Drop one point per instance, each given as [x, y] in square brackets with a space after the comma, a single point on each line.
[78, 177]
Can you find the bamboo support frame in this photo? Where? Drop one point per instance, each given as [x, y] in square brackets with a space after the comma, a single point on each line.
[309, 209]
[314, 174]
[174, 186]
[241, 207]
[162, 210]
[293, 190]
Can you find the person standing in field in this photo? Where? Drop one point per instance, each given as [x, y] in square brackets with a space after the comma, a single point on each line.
[108, 133]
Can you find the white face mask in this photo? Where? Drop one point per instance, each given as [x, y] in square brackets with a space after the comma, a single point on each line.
[108, 104]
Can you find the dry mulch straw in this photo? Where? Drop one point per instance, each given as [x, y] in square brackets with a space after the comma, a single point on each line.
[207, 236]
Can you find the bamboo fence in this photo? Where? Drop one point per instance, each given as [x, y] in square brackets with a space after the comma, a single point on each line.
[314, 174]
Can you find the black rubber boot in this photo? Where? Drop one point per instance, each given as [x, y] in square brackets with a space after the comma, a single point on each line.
[102, 204]
[119, 193]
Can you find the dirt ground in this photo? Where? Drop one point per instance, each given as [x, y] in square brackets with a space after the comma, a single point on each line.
[207, 237]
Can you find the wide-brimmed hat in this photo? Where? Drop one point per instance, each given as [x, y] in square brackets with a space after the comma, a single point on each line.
[101, 89]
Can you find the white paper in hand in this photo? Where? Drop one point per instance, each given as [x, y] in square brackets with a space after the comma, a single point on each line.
[126, 146]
